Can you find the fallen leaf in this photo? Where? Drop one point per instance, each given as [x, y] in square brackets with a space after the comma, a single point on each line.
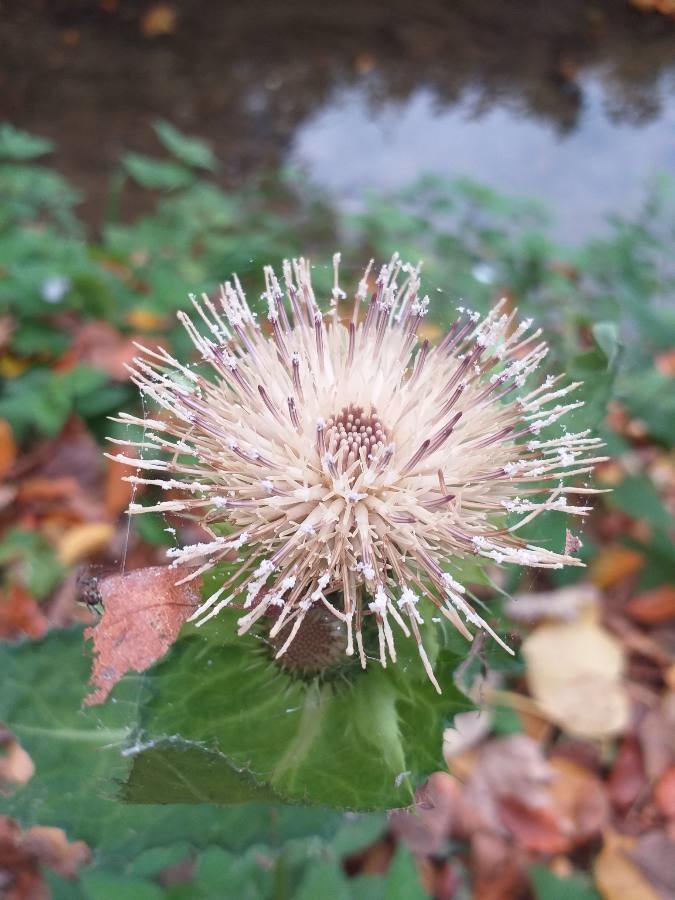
[654, 606]
[627, 780]
[101, 345]
[20, 614]
[82, 541]
[536, 829]
[51, 847]
[158, 20]
[436, 815]
[20, 872]
[74, 454]
[579, 799]
[117, 493]
[656, 732]
[8, 449]
[512, 766]
[574, 672]
[664, 793]
[145, 320]
[143, 612]
[24, 853]
[615, 564]
[16, 766]
[616, 876]
[654, 855]
[496, 869]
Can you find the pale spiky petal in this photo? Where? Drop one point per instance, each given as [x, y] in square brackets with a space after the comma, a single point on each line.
[350, 456]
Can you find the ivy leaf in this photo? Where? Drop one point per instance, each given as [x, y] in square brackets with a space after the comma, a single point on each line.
[358, 742]
[191, 151]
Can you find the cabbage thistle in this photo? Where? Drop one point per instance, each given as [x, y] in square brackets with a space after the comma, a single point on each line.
[347, 463]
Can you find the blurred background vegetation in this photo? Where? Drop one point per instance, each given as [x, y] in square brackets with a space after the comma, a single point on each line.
[149, 150]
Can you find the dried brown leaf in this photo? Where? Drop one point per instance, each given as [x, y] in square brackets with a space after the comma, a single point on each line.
[580, 801]
[627, 780]
[20, 614]
[143, 612]
[8, 449]
[24, 853]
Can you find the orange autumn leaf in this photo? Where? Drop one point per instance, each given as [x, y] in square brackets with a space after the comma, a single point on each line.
[20, 614]
[146, 320]
[614, 564]
[117, 494]
[654, 606]
[143, 613]
[8, 448]
[83, 541]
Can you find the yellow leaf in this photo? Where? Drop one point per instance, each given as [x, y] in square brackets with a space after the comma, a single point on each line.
[145, 320]
[614, 564]
[574, 673]
[615, 875]
[84, 540]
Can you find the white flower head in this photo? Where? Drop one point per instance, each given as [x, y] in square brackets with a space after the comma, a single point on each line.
[347, 452]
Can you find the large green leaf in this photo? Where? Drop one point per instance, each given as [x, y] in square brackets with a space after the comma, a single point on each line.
[82, 758]
[220, 704]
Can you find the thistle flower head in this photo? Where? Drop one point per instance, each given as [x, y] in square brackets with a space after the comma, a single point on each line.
[355, 464]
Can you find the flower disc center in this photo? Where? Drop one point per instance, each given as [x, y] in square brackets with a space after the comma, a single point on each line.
[319, 644]
[353, 432]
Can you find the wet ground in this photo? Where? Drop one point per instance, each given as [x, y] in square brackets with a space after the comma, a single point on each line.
[571, 102]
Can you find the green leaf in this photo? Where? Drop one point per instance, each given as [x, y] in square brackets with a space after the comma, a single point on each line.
[156, 174]
[606, 336]
[15, 144]
[27, 555]
[548, 886]
[650, 397]
[82, 758]
[356, 742]
[188, 150]
[596, 368]
[637, 496]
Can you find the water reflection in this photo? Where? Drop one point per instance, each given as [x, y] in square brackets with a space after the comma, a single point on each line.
[570, 100]
[601, 166]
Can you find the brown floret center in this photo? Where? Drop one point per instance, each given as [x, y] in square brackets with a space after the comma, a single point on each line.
[353, 429]
[318, 646]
